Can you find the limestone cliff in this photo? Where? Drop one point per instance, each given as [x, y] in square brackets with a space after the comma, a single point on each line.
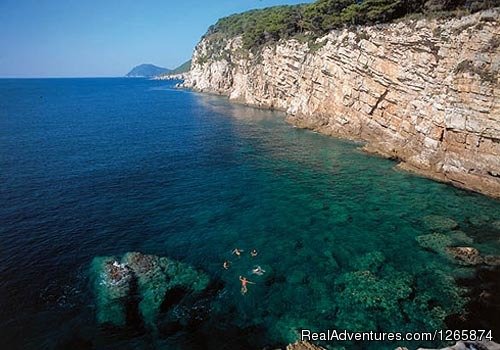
[423, 92]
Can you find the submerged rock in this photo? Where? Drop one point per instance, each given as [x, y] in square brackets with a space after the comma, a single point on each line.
[496, 224]
[371, 261]
[303, 345]
[461, 237]
[436, 222]
[394, 299]
[362, 292]
[465, 255]
[443, 244]
[492, 260]
[154, 278]
[479, 220]
[436, 242]
[112, 283]
[483, 301]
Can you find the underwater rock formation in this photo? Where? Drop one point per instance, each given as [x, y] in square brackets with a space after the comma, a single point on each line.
[496, 224]
[443, 244]
[492, 260]
[371, 261]
[112, 284]
[478, 272]
[151, 277]
[392, 296]
[482, 310]
[303, 345]
[469, 345]
[436, 222]
[454, 244]
[461, 237]
[465, 255]
[436, 242]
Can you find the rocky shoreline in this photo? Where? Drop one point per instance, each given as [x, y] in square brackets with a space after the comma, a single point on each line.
[471, 345]
[180, 76]
[425, 93]
[139, 291]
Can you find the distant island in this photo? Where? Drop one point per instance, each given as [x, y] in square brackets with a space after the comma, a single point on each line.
[146, 71]
[150, 70]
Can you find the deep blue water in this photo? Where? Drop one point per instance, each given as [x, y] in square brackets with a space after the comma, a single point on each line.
[96, 167]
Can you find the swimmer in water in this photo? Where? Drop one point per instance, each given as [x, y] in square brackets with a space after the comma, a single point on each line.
[257, 270]
[253, 253]
[237, 251]
[226, 265]
[244, 283]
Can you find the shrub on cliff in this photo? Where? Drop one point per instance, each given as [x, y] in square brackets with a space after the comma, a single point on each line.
[258, 27]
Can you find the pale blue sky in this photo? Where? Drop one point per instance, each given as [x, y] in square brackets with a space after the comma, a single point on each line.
[74, 38]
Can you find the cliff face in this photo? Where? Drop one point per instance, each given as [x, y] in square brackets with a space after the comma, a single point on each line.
[423, 92]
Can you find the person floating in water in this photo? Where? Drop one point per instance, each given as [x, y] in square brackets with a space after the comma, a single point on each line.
[244, 283]
[257, 270]
[226, 265]
[237, 251]
[254, 253]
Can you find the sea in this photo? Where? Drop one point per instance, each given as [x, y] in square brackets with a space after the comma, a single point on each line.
[102, 167]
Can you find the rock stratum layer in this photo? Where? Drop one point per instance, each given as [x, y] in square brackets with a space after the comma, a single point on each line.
[423, 92]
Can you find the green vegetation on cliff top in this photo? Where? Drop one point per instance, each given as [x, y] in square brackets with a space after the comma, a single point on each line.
[183, 68]
[259, 27]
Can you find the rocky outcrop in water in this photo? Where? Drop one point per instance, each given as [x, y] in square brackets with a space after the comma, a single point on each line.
[303, 345]
[423, 92]
[471, 345]
[480, 273]
[449, 240]
[180, 76]
[149, 286]
[466, 255]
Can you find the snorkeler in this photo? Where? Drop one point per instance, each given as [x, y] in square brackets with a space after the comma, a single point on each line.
[257, 270]
[244, 283]
[254, 253]
[226, 265]
[237, 251]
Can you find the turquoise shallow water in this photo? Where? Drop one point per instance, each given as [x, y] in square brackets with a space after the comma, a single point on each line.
[95, 167]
